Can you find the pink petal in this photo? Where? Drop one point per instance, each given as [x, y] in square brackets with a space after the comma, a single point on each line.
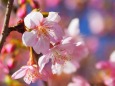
[33, 19]
[42, 46]
[56, 32]
[47, 71]
[73, 28]
[67, 40]
[27, 80]
[53, 16]
[43, 60]
[29, 38]
[69, 65]
[56, 69]
[80, 81]
[81, 50]
[103, 65]
[52, 36]
[20, 73]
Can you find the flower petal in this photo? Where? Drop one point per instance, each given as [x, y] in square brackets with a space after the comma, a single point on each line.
[47, 71]
[53, 16]
[27, 80]
[67, 40]
[56, 32]
[69, 65]
[42, 46]
[20, 73]
[57, 69]
[29, 38]
[33, 19]
[43, 60]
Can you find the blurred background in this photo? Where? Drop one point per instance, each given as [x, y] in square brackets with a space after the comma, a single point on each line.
[96, 26]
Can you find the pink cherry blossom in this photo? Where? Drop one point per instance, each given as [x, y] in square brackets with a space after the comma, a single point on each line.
[78, 81]
[62, 53]
[43, 31]
[30, 74]
[107, 70]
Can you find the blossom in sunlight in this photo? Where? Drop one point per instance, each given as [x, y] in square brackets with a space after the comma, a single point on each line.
[73, 28]
[68, 50]
[30, 74]
[107, 70]
[43, 31]
[78, 81]
[58, 68]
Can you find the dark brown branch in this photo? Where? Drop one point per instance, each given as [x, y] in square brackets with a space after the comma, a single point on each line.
[6, 22]
[19, 27]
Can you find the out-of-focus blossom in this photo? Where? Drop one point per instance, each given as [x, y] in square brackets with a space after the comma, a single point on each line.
[107, 70]
[10, 82]
[34, 4]
[8, 60]
[8, 48]
[21, 1]
[59, 69]
[7, 55]
[44, 31]
[73, 28]
[112, 57]
[4, 71]
[14, 22]
[21, 13]
[92, 40]
[68, 50]
[23, 6]
[96, 22]
[78, 81]
[30, 74]
[60, 80]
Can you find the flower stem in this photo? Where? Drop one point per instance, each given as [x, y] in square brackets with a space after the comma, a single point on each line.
[5, 30]
[32, 57]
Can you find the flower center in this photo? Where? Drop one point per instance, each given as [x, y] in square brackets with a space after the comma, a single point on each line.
[42, 30]
[32, 75]
[60, 57]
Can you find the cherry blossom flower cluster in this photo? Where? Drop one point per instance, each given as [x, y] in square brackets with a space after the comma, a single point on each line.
[60, 52]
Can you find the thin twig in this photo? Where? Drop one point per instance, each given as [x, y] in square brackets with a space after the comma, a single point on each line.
[5, 30]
